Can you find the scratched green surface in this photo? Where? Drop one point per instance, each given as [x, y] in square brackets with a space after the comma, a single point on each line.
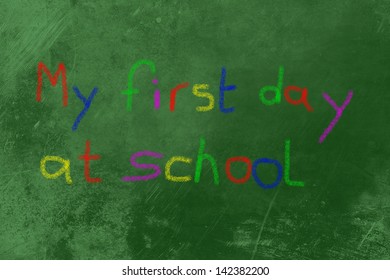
[326, 46]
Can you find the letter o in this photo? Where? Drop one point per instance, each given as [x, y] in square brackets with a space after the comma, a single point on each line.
[269, 161]
[247, 174]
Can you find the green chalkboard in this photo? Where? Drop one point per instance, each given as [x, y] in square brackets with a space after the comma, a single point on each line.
[290, 195]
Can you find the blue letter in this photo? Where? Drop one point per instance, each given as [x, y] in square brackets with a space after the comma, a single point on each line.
[257, 179]
[222, 89]
[87, 103]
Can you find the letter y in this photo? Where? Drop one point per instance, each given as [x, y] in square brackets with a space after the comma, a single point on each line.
[339, 113]
[86, 101]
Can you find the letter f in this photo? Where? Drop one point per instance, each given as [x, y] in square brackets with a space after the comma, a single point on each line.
[131, 90]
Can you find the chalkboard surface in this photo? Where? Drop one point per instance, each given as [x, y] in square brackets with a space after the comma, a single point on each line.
[211, 148]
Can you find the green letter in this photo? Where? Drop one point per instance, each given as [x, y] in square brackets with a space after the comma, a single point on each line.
[287, 167]
[202, 156]
[130, 91]
[277, 89]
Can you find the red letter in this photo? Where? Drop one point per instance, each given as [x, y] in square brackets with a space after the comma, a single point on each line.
[173, 95]
[53, 80]
[248, 171]
[303, 98]
[87, 157]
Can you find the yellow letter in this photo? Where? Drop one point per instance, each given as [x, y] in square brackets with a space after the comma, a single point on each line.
[64, 169]
[168, 169]
[195, 91]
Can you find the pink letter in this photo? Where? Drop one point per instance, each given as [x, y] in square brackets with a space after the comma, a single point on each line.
[339, 112]
[133, 161]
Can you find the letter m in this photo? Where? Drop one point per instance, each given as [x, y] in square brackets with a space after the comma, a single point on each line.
[53, 80]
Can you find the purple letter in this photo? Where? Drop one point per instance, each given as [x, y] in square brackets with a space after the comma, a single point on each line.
[339, 112]
[133, 162]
